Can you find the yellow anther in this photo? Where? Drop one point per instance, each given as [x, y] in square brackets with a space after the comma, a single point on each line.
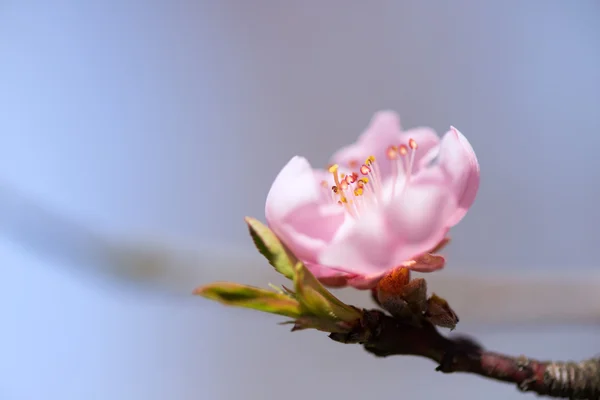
[334, 170]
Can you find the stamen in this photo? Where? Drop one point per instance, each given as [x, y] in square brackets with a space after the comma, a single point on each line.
[392, 153]
[356, 207]
[328, 193]
[363, 187]
[334, 170]
[369, 168]
[350, 179]
[413, 146]
[340, 187]
[377, 185]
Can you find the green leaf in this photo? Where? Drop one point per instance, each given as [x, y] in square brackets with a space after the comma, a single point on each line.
[271, 247]
[234, 294]
[318, 301]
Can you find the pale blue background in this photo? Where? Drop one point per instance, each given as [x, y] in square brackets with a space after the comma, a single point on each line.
[157, 119]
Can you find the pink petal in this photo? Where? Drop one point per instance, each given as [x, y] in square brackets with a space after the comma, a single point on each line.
[294, 186]
[426, 140]
[428, 158]
[329, 276]
[420, 216]
[440, 246]
[365, 282]
[383, 238]
[356, 281]
[458, 160]
[383, 131]
[362, 247]
[383, 127]
[426, 263]
[335, 278]
[298, 213]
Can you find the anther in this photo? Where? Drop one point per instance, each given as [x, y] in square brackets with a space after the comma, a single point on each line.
[412, 144]
[392, 152]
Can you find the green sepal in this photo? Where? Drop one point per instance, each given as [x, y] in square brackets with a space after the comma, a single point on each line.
[318, 301]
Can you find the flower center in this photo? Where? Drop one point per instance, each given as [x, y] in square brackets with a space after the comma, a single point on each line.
[364, 188]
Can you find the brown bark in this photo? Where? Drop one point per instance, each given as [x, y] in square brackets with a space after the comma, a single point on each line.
[385, 336]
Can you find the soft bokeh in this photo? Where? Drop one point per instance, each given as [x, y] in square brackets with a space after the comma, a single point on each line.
[166, 121]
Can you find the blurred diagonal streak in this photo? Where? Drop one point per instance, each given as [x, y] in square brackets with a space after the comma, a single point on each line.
[167, 266]
[52, 235]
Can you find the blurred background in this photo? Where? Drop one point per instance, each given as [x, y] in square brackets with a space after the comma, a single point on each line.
[135, 136]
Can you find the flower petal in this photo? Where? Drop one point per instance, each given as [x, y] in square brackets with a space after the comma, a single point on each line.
[294, 186]
[419, 216]
[329, 276]
[426, 140]
[383, 238]
[383, 127]
[365, 282]
[458, 160]
[426, 263]
[335, 278]
[297, 211]
[363, 247]
[440, 246]
[383, 130]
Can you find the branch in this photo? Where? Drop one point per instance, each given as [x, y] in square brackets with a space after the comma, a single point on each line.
[384, 336]
[408, 330]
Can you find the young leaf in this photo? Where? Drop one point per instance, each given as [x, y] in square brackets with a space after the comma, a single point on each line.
[237, 295]
[271, 247]
[319, 301]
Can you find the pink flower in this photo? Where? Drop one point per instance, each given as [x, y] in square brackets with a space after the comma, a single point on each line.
[387, 201]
